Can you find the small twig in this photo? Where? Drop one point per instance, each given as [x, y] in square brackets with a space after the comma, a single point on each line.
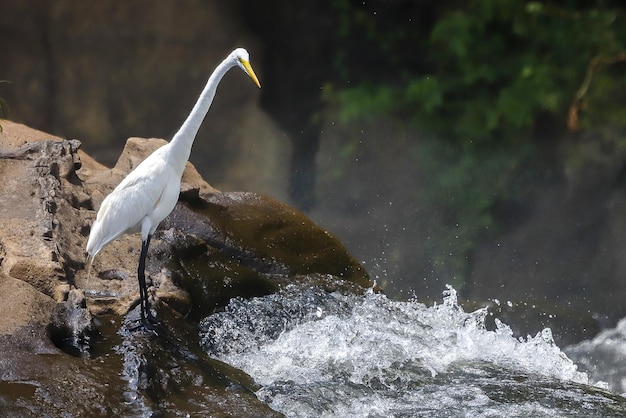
[573, 122]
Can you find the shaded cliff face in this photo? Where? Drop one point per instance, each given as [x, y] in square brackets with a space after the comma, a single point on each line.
[101, 72]
[215, 246]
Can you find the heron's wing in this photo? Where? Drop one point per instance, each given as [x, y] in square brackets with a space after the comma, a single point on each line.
[133, 199]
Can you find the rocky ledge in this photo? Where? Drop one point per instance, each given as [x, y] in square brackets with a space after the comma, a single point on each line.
[65, 342]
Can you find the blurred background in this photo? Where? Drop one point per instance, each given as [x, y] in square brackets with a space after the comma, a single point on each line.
[476, 143]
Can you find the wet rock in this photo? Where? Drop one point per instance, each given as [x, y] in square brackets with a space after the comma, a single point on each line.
[131, 374]
[71, 324]
[168, 373]
[243, 244]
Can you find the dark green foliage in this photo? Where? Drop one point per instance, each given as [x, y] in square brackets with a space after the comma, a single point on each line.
[488, 82]
[493, 66]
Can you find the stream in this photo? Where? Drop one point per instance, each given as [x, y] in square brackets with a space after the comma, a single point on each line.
[318, 346]
[318, 354]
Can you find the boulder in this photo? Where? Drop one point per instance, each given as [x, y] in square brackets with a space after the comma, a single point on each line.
[214, 246]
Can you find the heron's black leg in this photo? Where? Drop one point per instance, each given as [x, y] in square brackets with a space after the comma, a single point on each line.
[147, 319]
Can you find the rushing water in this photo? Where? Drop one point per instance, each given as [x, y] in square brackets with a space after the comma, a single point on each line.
[319, 354]
[604, 357]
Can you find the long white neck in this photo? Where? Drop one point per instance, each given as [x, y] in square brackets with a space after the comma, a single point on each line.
[180, 145]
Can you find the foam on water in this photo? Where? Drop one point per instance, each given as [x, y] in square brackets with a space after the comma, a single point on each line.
[604, 357]
[328, 354]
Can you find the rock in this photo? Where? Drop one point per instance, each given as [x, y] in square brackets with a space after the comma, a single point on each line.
[33, 204]
[71, 324]
[134, 374]
[210, 236]
[22, 305]
[252, 232]
[213, 247]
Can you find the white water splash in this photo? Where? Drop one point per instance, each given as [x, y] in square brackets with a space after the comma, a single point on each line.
[604, 357]
[378, 357]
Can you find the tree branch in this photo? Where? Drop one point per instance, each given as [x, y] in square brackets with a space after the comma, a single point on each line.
[573, 122]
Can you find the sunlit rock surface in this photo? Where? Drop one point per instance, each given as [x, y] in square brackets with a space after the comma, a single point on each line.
[215, 246]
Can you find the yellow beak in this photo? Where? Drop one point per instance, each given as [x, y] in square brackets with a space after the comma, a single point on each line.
[250, 72]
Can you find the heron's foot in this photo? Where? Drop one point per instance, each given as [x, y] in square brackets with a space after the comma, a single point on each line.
[151, 318]
[146, 321]
[150, 324]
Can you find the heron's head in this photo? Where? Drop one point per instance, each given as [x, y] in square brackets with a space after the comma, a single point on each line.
[242, 59]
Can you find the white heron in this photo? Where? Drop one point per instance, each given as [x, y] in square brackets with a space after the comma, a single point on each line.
[149, 192]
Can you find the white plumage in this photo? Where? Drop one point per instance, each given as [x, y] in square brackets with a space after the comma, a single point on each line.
[149, 192]
[138, 204]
